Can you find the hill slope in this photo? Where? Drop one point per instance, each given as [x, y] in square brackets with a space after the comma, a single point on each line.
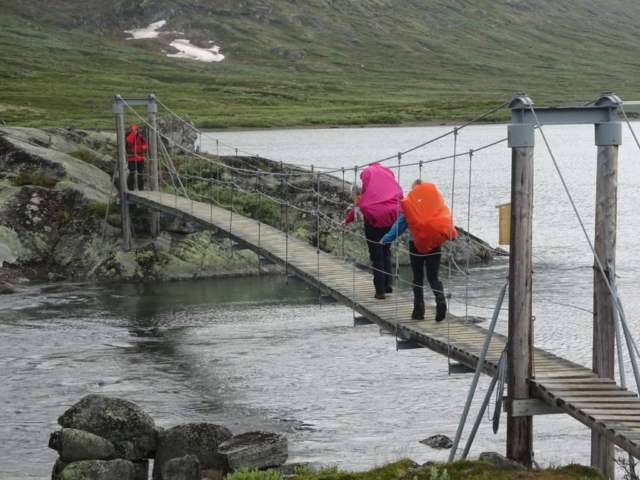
[293, 62]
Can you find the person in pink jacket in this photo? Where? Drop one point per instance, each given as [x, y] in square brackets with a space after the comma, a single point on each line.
[379, 204]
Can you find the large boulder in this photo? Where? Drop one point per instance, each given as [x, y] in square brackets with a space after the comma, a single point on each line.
[437, 441]
[253, 450]
[199, 439]
[99, 470]
[183, 468]
[500, 462]
[76, 445]
[6, 288]
[131, 431]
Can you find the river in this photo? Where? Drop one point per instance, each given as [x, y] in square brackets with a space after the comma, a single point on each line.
[256, 353]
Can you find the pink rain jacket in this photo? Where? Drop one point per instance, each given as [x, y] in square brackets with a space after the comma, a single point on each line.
[380, 198]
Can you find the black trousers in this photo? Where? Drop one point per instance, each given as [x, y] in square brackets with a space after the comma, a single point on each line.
[380, 256]
[431, 263]
[136, 168]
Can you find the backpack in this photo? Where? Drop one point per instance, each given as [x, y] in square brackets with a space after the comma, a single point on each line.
[429, 219]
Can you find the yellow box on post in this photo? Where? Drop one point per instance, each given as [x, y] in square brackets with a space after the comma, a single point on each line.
[505, 223]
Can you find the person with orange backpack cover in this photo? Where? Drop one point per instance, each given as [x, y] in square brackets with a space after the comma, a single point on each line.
[430, 225]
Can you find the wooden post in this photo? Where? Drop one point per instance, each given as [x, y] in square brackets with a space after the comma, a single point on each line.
[602, 450]
[153, 162]
[520, 347]
[122, 171]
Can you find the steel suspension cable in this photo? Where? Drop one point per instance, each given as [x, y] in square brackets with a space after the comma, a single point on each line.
[467, 271]
[453, 199]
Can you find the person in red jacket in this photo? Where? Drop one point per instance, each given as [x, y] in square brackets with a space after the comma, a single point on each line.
[136, 144]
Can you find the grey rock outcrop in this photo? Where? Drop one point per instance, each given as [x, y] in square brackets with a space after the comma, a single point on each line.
[437, 441]
[131, 431]
[253, 450]
[500, 462]
[182, 468]
[199, 439]
[74, 445]
[178, 134]
[44, 193]
[99, 470]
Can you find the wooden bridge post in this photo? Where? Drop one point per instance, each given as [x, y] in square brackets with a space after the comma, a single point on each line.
[520, 345]
[608, 137]
[118, 110]
[152, 111]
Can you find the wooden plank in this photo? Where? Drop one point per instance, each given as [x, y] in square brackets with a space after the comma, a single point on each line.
[580, 387]
[605, 410]
[593, 393]
[578, 402]
[572, 381]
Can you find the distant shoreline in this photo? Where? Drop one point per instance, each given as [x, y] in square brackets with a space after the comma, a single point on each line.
[427, 123]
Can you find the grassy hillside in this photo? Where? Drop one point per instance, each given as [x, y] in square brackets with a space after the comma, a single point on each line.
[302, 62]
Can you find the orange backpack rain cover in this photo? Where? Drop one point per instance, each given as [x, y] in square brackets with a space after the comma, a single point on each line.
[429, 219]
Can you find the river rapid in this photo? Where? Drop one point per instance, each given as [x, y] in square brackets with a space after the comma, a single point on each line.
[256, 353]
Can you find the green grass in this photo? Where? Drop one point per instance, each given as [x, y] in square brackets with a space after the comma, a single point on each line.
[460, 470]
[403, 470]
[383, 62]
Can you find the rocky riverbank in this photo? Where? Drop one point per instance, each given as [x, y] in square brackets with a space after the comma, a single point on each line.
[113, 439]
[56, 187]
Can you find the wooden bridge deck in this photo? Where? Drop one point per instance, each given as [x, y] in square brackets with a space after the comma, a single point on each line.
[598, 403]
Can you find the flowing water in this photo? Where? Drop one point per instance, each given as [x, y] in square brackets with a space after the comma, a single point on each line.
[256, 353]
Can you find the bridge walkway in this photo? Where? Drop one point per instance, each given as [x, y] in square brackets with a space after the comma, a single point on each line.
[598, 403]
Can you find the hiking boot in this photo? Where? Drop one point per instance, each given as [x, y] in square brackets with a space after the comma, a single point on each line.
[388, 289]
[418, 311]
[441, 309]
[379, 296]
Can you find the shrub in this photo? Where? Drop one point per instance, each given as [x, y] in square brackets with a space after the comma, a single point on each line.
[99, 208]
[256, 474]
[329, 470]
[436, 475]
[198, 167]
[303, 471]
[84, 155]
[25, 178]
[262, 208]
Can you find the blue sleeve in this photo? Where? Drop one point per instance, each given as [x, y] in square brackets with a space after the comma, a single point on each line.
[398, 229]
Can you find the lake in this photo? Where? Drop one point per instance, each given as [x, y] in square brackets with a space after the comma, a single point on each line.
[256, 353]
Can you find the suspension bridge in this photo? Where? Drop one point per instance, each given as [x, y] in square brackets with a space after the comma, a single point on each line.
[538, 382]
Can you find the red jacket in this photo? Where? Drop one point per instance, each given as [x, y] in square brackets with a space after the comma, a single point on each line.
[136, 144]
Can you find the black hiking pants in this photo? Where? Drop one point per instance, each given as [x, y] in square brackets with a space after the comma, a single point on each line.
[380, 256]
[136, 169]
[431, 263]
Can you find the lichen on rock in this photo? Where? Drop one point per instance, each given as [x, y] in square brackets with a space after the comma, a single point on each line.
[131, 431]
